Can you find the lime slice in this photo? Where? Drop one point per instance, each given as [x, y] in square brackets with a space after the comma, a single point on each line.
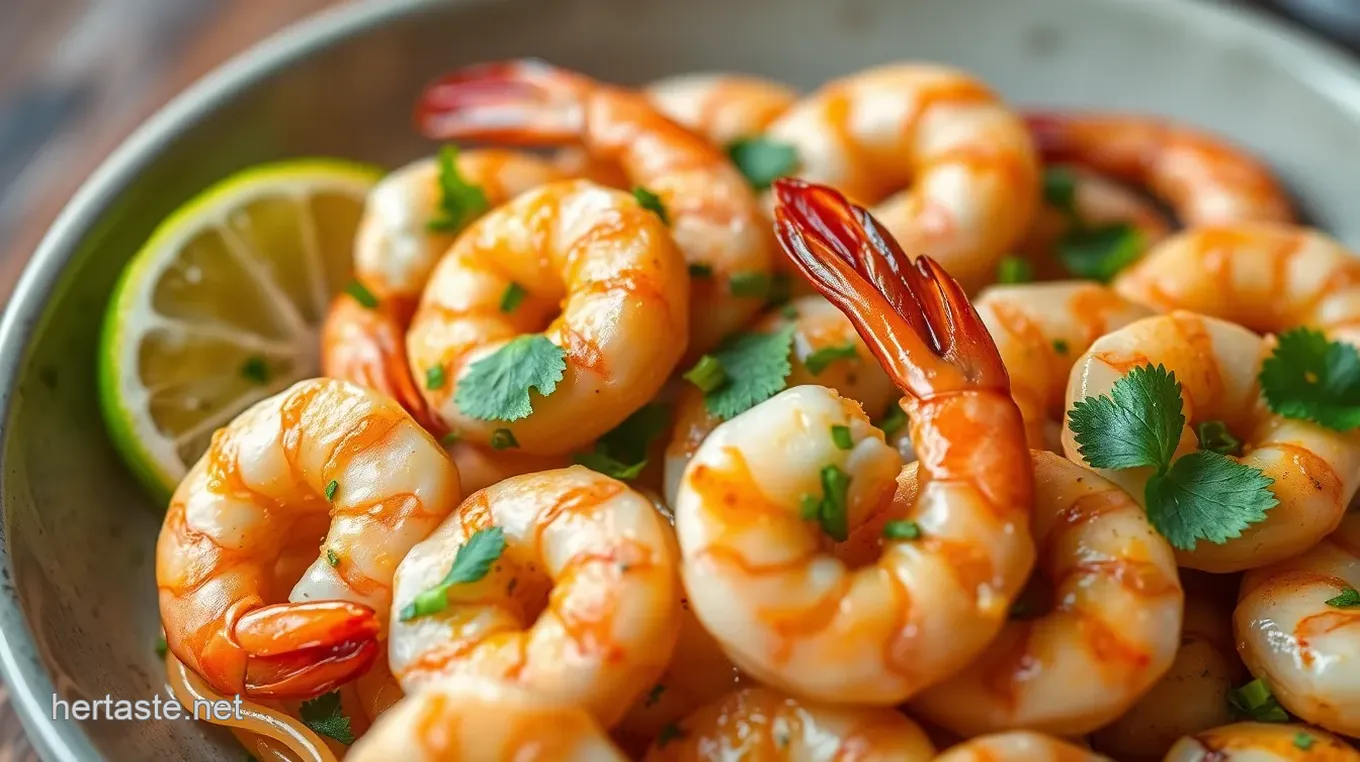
[222, 308]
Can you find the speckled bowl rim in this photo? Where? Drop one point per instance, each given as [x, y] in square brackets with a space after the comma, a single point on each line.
[1318, 65]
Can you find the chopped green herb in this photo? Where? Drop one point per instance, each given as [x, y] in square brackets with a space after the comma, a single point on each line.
[763, 160]
[1348, 598]
[894, 418]
[841, 436]
[325, 717]
[255, 369]
[460, 202]
[756, 366]
[622, 452]
[755, 285]
[361, 295]
[434, 377]
[1060, 346]
[611, 467]
[1215, 437]
[161, 647]
[810, 508]
[1012, 269]
[1099, 253]
[707, 374]
[512, 297]
[654, 695]
[449, 438]
[697, 270]
[789, 312]
[652, 203]
[781, 288]
[471, 563]
[1200, 496]
[503, 439]
[820, 359]
[332, 558]
[831, 510]
[1060, 190]
[1311, 378]
[1303, 741]
[1254, 701]
[902, 529]
[669, 732]
[331, 487]
[497, 387]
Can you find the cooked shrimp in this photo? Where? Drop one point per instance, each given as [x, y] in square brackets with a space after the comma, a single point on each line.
[720, 106]
[970, 162]
[479, 468]
[1112, 632]
[323, 459]
[1040, 330]
[1267, 277]
[1305, 648]
[1193, 694]
[1315, 469]
[469, 718]
[1019, 746]
[762, 725]
[608, 271]
[714, 215]
[582, 606]
[818, 327]
[791, 614]
[1262, 742]
[1202, 178]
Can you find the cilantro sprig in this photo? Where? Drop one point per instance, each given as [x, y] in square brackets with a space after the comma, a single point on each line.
[744, 371]
[326, 717]
[460, 202]
[1203, 495]
[622, 452]
[496, 387]
[471, 563]
[1311, 378]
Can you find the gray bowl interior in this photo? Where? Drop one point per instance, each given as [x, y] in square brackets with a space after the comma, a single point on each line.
[80, 534]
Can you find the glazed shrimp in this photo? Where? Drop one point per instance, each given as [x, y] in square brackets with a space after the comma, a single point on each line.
[1306, 650]
[762, 725]
[323, 459]
[714, 216]
[759, 577]
[1314, 469]
[1112, 631]
[1267, 277]
[1193, 694]
[1040, 330]
[817, 327]
[1019, 746]
[581, 607]
[970, 162]
[1202, 178]
[722, 107]
[1262, 742]
[470, 718]
[601, 278]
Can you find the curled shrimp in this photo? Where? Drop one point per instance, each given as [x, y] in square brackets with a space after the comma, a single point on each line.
[818, 328]
[1266, 277]
[1193, 694]
[759, 577]
[1112, 632]
[1202, 178]
[1305, 648]
[763, 725]
[1019, 746]
[323, 459]
[969, 161]
[1315, 469]
[486, 720]
[595, 272]
[720, 106]
[714, 216]
[1262, 742]
[582, 606]
[1040, 330]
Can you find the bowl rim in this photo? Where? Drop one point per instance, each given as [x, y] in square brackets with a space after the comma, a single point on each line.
[1320, 65]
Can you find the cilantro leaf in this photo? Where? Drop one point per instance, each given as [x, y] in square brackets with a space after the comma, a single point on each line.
[1255, 701]
[1099, 253]
[820, 359]
[496, 387]
[1139, 424]
[1012, 269]
[763, 160]
[622, 452]
[1348, 598]
[1311, 378]
[1060, 189]
[756, 366]
[460, 202]
[325, 717]
[1215, 437]
[470, 564]
[652, 203]
[1207, 496]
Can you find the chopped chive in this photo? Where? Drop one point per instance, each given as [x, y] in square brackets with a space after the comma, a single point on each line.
[652, 203]
[1060, 346]
[1014, 270]
[512, 297]
[902, 529]
[708, 374]
[809, 509]
[819, 360]
[332, 558]
[449, 438]
[255, 369]
[361, 295]
[1303, 741]
[434, 377]
[331, 488]
[789, 312]
[841, 436]
[503, 439]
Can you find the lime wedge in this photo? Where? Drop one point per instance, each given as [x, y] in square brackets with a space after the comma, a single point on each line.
[222, 308]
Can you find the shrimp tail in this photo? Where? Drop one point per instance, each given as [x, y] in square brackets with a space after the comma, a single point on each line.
[300, 650]
[912, 314]
[525, 102]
